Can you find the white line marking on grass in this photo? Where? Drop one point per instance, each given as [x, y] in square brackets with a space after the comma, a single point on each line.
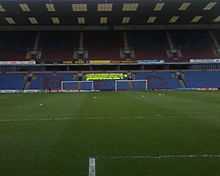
[92, 169]
[35, 120]
[196, 156]
[139, 117]
[13, 119]
[69, 118]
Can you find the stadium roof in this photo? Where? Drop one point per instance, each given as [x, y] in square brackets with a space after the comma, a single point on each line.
[108, 14]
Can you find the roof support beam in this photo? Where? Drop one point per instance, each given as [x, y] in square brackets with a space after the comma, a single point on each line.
[107, 27]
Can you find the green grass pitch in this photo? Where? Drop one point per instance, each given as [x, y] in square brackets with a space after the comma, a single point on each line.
[55, 134]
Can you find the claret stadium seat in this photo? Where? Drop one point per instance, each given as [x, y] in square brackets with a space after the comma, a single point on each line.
[148, 45]
[15, 45]
[58, 46]
[194, 44]
[103, 45]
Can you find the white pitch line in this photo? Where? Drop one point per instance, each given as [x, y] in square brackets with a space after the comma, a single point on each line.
[68, 118]
[74, 117]
[35, 120]
[92, 169]
[161, 156]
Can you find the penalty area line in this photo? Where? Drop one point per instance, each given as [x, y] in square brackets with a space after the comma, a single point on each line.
[68, 118]
[92, 167]
[34, 120]
[195, 156]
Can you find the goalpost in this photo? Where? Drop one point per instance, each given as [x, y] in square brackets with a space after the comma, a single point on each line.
[84, 86]
[117, 85]
[136, 85]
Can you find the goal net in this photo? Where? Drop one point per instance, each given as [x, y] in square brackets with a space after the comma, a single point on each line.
[136, 85]
[77, 86]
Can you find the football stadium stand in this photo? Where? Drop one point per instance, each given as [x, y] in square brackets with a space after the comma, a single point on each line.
[156, 80]
[194, 44]
[169, 52]
[103, 45]
[58, 46]
[55, 47]
[15, 45]
[148, 45]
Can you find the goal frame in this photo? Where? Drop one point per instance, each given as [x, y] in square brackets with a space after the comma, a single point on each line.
[116, 83]
[63, 82]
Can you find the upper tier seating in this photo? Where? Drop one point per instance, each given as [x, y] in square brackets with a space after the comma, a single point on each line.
[14, 45]
[217, 35]
[58, 46]
[103, 45]
[193, 44]
[148, 45]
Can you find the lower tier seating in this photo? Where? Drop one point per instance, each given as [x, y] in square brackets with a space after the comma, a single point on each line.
[156, 80]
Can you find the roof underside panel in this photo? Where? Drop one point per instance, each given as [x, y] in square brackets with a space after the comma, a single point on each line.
[141, 13]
